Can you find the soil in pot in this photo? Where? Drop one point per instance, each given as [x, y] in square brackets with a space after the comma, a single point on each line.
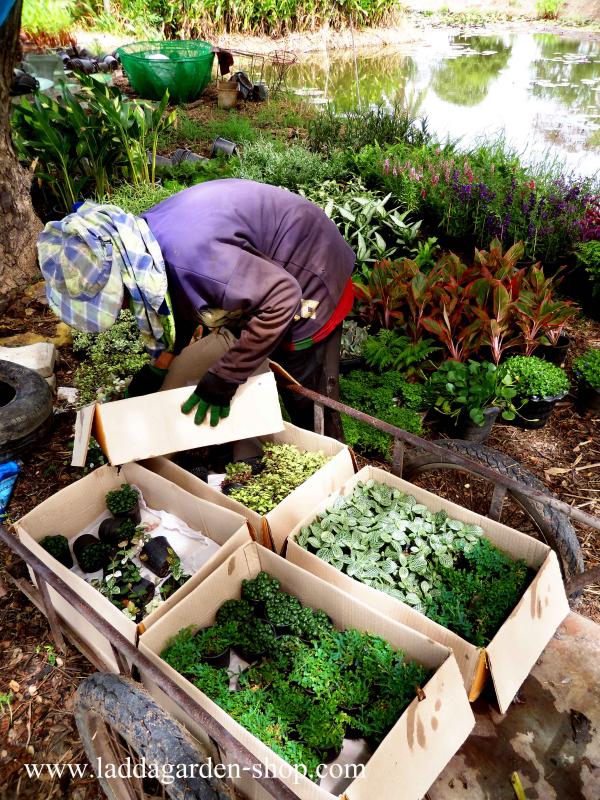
[466, 429]
[91, 554]
[155, 555]
[535, 413]
[555, 353]
[58, 547]
[588, 397]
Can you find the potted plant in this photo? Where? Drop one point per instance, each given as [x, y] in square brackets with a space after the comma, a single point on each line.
[124, 503]
[123, 583]
[472, 395]
[235, 611]
[352, 346]
[113, 531]
[540, 384]
[177, 577]
[256, 641]
[91, 554]
[324, 728]
[214, 643]
[158, 555]
[314, 624]
[587, 369]
[58, 547]
[237, 475]
[283, 610]
[258, 590]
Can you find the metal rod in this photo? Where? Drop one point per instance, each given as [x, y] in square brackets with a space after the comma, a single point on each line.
[497, 502]
[398, 458]
[241, 755]
[450, 457]
[50, 612]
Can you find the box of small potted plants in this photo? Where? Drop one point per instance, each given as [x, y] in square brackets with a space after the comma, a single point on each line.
[303, 675]
[456, 576]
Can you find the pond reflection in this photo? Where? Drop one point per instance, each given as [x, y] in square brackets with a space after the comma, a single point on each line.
[474, 87]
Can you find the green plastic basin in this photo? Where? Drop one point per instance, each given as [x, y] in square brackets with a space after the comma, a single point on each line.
[182, 67]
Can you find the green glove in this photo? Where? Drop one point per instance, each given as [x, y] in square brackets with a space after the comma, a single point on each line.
[214, 393]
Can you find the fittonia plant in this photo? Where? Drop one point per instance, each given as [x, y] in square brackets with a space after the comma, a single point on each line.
[386, 539]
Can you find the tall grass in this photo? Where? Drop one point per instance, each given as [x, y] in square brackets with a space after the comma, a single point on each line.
[50, 17]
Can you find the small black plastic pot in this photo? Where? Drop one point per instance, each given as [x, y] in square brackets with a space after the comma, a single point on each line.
[218, 660]
[466, 429]
[588, 397]
[229, 487]
[58, 547]
[108, 532]
[555, 353]
[142, 592]
[155, 555]
[169, 587]
[134, 514]
[90, 561]
[536, 412]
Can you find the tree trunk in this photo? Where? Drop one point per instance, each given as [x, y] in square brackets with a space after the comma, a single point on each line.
[19, 226]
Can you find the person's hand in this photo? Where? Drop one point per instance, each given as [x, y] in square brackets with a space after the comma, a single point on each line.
[214, 393]
[147, 380]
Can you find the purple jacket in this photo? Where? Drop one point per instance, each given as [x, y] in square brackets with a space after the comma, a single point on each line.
[240, 245]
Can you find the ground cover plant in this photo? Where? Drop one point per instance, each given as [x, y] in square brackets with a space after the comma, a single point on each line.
[587, 367]
[440, 566]
[109, 360]
[305, 691]
[388, 397]
[282, 469]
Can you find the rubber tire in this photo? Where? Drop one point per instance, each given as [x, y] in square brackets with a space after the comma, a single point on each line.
[28, 416]
[555, 526]
[149, 730]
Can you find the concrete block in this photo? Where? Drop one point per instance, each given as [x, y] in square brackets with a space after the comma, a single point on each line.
[39, 357]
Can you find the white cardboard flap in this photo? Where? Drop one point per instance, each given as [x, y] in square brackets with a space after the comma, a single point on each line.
[516, 647]
[152, 425]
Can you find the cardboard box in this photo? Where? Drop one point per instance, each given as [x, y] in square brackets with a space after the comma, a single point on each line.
[416, 749]
[69, 511]
[516, 647]
[143, 427]
[273, 528]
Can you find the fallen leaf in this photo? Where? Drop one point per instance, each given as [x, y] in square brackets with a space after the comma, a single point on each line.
[32, 689]
[59, 661]
[14, 686]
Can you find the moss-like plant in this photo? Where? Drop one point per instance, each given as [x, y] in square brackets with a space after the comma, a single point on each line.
[235, 611]
[94, 557]
[260, 589]
[285, 467]
[258, 640]
[588, 367]
[58, 547]
[314, 625]
[536, 378]
[123, 500]
[217, 639]
[283, 611]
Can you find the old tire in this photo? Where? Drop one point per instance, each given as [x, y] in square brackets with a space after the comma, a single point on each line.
[116, 718]
[554, 527]
[25, 409]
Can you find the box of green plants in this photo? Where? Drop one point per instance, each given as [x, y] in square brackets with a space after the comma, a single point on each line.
[330, 695]
[131, 544]
[271, 480]
[491, 593]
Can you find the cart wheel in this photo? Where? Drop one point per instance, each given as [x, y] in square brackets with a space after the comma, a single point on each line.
[468, 488]
[120, 723]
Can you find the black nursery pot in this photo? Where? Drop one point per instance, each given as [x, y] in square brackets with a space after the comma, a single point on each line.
[142, 592]
[229, 487]
[349, 364]
[82, 544]
[108, 532]
[535, 413]
[61, 552]
[217, 660]
[133, 514]
[466, 429]
[155, 555]
[588, 397]
[555, 353]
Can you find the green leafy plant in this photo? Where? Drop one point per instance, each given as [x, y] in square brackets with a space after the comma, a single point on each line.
[536, 378]
[548, 9]
[217, 639]
[49, 651]
[258, 640]
[588, 257]
[587, 366]
[58, 547]
[391, 350]
[235, 611]
[314, 625]
[381, 396]
[259, 589]
[285, 468]
[283, 611]
[110, 359]
[386, 539]
[457, 389]
[353, 339]
[120, 501]
[94, 557]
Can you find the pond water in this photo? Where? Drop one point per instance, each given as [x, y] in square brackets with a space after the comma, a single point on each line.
[542, 91]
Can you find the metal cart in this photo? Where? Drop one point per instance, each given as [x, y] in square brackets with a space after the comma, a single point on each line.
[548, 738]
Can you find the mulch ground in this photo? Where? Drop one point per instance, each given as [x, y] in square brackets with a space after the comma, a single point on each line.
[38, 726]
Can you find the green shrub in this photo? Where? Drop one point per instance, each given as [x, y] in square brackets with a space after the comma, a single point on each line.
[377, 395]
[548, 9]
[290, 165]
[110, 358]
[588, 366]
[537, 378]
[588, 257]
[49, 17]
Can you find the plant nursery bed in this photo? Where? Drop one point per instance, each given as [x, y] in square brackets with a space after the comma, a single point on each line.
[416, 748]
[200, 536]
[274, 525]
[508, 652]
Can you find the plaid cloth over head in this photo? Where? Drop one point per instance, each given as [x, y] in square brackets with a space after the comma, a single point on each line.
[89, 256]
